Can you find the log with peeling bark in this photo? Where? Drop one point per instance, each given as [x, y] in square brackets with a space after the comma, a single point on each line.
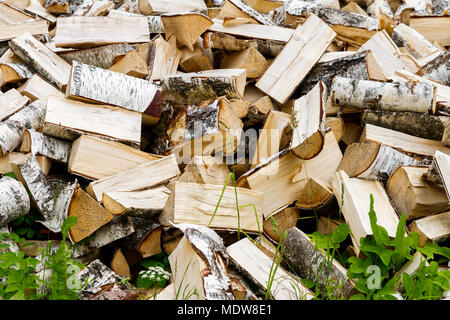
[141, 177]
[37, 88]
[15, 72]
[256, 265]
[200, 86]
[413, 41]
[69, 119]
[289, 67]
[81, 32]
[379, 7]
[156, 7]
[308, 123]
[435, 228]
[11, 102]
[118, 228]
[373, 161]
[355, 201]
[306, 259]
[95, 158]
[196, 203]
[437, 69]
[146, 238]
[349, 27]
[115, 89]
[37, 9]
[11, 130]
[239, 9]
[47, 63]
[284, 220]
[14, 200]
[44, 193]
[43, 145]
[385, 96]
[205, 169]
[439, 171]
[186, 27]
[401, 141]
[34, 27]
[131, 64]
[164, 58]
[418, 124]
[200, 256]
[414, 196]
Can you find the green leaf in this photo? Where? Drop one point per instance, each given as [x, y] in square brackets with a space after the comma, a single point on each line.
[18, 221]
[30, 233]
[11, 174]
[408, 284]
[361, 286]
[358, 296]
[308, 283]
[340, 233]
[274, 224]
[67, 224]
[22, 231]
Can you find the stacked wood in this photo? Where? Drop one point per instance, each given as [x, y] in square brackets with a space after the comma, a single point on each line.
[434, 228]
[14, 201]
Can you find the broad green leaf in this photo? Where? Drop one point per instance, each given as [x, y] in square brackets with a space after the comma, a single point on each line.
[67, 224]
[11, 174]
[340, 233]
[408, 284]
[358, 296]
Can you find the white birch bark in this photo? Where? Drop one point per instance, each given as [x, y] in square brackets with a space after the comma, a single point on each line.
[261, 18]
[387, 96]
[118, 228]
[14, 200]
[416, 44]
[22, 69]
[114, 88]
[380, 6]
[438, 69]
[40, 144]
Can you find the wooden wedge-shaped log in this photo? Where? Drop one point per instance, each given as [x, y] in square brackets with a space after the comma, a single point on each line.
[146, 240]
[118, 228]
[413, 195]
[284, 219]
[115, 90]
[37, 88]
[240, 9]
[165, 58]
[435, 69]
[306, 260]
[440, 171]
[43, 145]
[82, 32]
[289, 68]
[435, 228]
[131, 64]
[200, 86]
[14, 200]
[69, 119]
[205, 169]
[95, 158]
[355, 205]
[38, 56]
[196, 203]
[308, 123]
[409, 38]
[144, 176]
[186, 27]
[14, 72]
[249, 59]
[11, 102]
[119, 264]
[155, 7]
[256, 265]
[198, 60]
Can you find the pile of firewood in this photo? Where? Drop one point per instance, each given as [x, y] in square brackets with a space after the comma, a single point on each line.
[178, 126]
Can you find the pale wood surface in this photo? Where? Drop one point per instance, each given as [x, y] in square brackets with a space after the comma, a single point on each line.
[11, 102]
[432, 228]
[37, 88]
[12, 31]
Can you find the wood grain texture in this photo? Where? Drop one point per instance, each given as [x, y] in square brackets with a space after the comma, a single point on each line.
[433, 228]
[431, 28]
[11, 102]
[16, 30]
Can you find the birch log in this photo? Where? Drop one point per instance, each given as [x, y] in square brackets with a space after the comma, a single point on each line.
[37, 88]
[386, 96]
[416, 44]
[47, 63]
[11, 130]
[414, 123]
[437, 69]
[96, 84]
[164, 58]
[307, 261]
[11, 102]
[155, 7]
[434, 228]
[118, 228]
[34, 27]
[15, 72]
[378, 7]
[145, 240]
[35, 8]
[238, 9]
[373, 161]
[40, 144]
[439, 171]
[14, 200]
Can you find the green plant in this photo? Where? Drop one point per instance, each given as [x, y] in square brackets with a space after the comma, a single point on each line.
[156, 273]
[27, 226]
[191, 292]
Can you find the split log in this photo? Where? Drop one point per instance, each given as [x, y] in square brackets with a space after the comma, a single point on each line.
[43, 193]
[239, 9]
[259, 106]
[446, 136]
[146, 238]
[14, 200]
[141, 177]
[103, 284]
[439, 171]
[95, 158]
[434, 228]
[37, 88]
[15, 72]
[410, 267]
[11, 102]
[353, 7]
[349, 27]
[378, 8]
[416, 44]
[205, 169]
[198, 263]
[401, 141]
[336, 125]
[256, 265]
[284, 178]
[373, 161]
[118, 228]
[249, 59]
[69, 119]
[431, 27]
[308, 123]
[355, 203]
[414, 196]
[100, 8]
[200, 86]
[327, 225]
[289, 67]
[285, 219]
[185, 27]
[35, 8]
[413, 123]
[306, 260]
[11, 130]
[437, 69]
[47, 63]
[352, 66]
[81, 32]
[264, 6]
[136, 203]
[115, 90]
[119, 265]
[168, 293]
[40, 144]
[10, 157]
[271, 140]
[198, 60]
[156, 7]
[131, 64]
[316, 194]
[170, 239]
[164, 58]
[197, 203]
[12, 14]
[33, 27]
